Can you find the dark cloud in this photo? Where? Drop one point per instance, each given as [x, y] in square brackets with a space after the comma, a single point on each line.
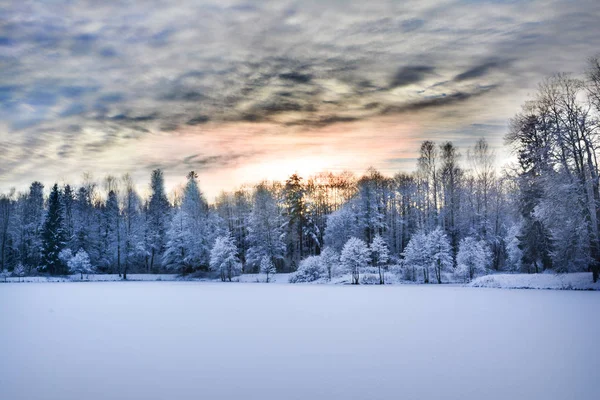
[437, 102]
[481, 70]
[200, 119]
[409, 75]
[296, 77]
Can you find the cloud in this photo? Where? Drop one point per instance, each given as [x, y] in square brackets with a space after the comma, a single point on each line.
[81, 80]
[481, 70]
[409, 75]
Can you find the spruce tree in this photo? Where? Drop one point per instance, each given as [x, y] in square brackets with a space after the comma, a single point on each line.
[53, 235]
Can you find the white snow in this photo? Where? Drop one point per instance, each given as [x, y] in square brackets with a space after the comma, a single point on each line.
[578, 281]
[95, 278]
[202, 340]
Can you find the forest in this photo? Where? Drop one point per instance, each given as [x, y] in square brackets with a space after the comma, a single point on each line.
[457, 213]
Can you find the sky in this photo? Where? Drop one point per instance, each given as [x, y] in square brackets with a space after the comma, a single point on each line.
[241, 91]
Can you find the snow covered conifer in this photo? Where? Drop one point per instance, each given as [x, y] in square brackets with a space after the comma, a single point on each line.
[267, 267]
[380, 255]
[224, 258]
[473, 257]
[192, 231]
[265, 231]
[158, 217]
[4, 274]
[80, 263]
[53, 240]
[355, 255]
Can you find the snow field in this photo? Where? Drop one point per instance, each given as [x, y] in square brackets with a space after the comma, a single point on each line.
[191, 340]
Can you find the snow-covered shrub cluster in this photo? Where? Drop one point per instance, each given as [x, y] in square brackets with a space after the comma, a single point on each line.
[311, 269]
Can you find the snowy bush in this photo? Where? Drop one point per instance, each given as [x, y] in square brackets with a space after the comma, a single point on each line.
[267, 267]
[4, 274]
[370, 279]
[473, 258]
[355, 255]
[80, 264]
[310, 270]
[224, 259]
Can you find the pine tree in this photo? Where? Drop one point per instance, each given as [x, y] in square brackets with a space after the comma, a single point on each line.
[158, 218]
[192, 231]
[53, 240]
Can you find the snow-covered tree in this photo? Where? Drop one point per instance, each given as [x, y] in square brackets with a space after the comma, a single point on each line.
[380, 255]
[4, 274]
[355, 255]
[440, 252]
[341, 226]
[158, 218]
[265, 233]
[416, 257]
[133, 227]
[310, 270]
[330, 259]
[514, 255]
[192, 231]
[53, 238]
[474, 257]
[267, 267]
[80, 263]
[224, 258]
[19, 271]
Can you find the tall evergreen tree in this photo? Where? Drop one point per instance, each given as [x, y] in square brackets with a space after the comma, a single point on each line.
[53, 235]
[157, 219]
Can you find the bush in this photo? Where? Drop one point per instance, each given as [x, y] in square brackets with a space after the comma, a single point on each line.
[369, 279]
[311, 269]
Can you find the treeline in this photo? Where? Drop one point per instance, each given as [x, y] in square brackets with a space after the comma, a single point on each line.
[455, 212]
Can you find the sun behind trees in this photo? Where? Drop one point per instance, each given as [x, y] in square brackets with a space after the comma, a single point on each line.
[455, 217]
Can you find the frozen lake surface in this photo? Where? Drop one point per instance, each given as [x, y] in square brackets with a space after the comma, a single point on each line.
[191, 340]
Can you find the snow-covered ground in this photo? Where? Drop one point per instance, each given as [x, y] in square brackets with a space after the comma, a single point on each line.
[95, 278]
[203, 340]
[577, 281]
